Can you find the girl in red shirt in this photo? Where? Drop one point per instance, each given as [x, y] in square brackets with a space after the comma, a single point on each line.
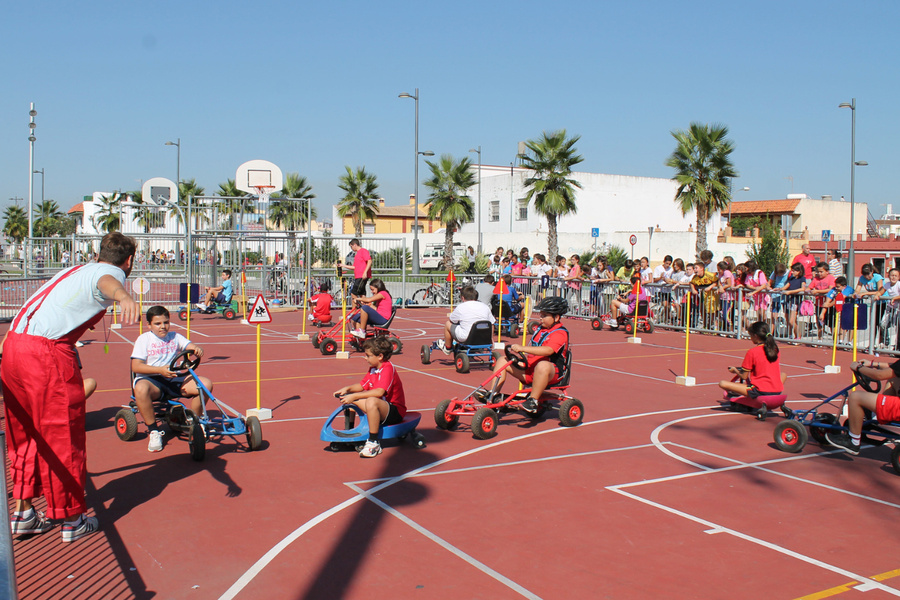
[760, 373]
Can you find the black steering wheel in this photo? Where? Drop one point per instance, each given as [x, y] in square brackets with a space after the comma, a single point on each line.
[873, 386]
[181, 363]
[518, 359]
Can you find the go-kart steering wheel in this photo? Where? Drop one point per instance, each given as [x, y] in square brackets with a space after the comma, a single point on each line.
[518, 359]
[181, 363]
[873, 386]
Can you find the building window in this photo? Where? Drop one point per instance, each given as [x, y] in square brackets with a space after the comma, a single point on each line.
[369, 228]
[522, 205]
[494, 211]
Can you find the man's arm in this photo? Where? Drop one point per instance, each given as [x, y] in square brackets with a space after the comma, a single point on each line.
[112, 289]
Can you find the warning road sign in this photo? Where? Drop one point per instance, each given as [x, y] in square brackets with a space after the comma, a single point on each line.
[260, 312]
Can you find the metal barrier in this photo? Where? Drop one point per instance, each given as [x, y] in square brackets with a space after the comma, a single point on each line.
[7, 558]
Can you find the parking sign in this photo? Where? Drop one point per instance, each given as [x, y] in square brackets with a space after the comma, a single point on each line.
[826, 235]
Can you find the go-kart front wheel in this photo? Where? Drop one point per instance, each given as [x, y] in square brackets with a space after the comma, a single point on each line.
[790, 436]
[126, 424]
[426, 354]
[197, 442]
[254, 433]
[484, 423]
[328, 346]
[533, 326]
[442, 419]
[895, 458]
[571, 412]
[182, 314]
[229, 313]
[462, 362]
[396, 345]
[596, 324]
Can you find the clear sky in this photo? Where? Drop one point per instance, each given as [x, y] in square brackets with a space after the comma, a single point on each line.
[313, 87]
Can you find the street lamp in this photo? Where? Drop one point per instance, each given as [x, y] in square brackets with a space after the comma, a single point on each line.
[478, 150]
[41, 171]
[178, 163]
[851, 271]
[743, 189]
[415, 251]
[31, 125]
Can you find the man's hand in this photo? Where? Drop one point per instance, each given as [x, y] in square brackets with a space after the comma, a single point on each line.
[131, 312]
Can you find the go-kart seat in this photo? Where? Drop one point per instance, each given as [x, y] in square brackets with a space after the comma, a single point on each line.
[481, 334]
[567, 371]
[387, 324]
[508, 311]
[643, 308]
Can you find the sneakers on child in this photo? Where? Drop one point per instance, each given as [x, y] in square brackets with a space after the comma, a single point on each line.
[612, 323]
[442, 346]
[156, 442]
[371, 449]
[79, 529]
[842, 440]
[358, 333]
[530, 405]
[35, 523]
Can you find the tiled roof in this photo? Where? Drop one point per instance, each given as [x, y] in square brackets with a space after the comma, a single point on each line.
[761, 207]
[400, 211]
[77, 209]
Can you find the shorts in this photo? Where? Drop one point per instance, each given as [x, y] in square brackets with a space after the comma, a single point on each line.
[376, 319]
[454, 333]
[752, 392]
[393, 417]
[358, 287]
[626, 310]
[221, 299]
[170, 388]
[529, 376]
[887, 408]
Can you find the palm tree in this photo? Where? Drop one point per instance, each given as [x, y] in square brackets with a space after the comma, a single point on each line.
[106, 217]
[450, 179]
[551, 159]
[15, 225]
[289, 207]
[359, 201]
[189, 188]
[148, 216]
[233, 209]
[47, 217]
[703, 169]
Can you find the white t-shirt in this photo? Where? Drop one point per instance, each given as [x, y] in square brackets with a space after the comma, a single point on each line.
[72, 300]
[647, 275]
[662, 272]
[467, 314]
[157, 351]
[891, 290]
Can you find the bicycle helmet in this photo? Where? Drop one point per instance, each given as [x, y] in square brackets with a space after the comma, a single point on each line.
[554, 305]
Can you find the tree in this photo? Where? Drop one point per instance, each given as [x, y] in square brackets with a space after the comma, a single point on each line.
[289, 207]
[551, 159]
[48, 219]
[450, 179]
[359, 201]
[234, 209]
[148, 216]
[15, 225]
[703, 170]
[771, 249]
[188, 188]
[106, 217]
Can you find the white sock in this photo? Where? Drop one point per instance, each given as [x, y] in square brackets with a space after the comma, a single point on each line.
[76, 523]
[25, 514]
[855, 438]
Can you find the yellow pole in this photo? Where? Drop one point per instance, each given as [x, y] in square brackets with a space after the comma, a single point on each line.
[525, 328]
[637, 303]
[687, 334]
[188, 331]
[258, 327]
[305, 302]
[114, 313]
[244, 293]
[834, 329]
[344, 315]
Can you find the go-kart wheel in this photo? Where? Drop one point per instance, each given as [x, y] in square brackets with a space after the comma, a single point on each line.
[126, 424]
[328, 346]
[790, 436]
[176, 419]
[182, 314]
[197, 442]
[462, 363]
[396, 345]
[425, 354]
[648, 326]
[571, 412]
[895, 458]
[518, 359]
[442, 419]
[596, 324]
[629, 327]
[229, 313]
[514, 331]
[418, 439]
[873, 386]
[315, 340]
[818, 433]
[180, 363]
[335, 446]
[484, 423]
[254, 433]
[533, 326]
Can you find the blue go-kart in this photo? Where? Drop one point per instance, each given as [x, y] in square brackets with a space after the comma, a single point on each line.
[791, 434]
[507, 319]
[478, 345]
[182, 421]
[353, 437]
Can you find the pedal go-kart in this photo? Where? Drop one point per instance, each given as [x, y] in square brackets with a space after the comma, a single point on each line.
[478, 346]
[483, 406]
[182, 421]
[229, 310]
[759, 406]
[327, 341]
[644, 319]
[353, 437]
[791, 435]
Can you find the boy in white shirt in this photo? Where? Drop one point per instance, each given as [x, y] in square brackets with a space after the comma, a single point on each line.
[153, 353]
[460, 321]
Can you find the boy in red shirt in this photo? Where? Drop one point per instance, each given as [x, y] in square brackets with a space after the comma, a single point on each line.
[379, 394]
[886, 405]
[321, 304]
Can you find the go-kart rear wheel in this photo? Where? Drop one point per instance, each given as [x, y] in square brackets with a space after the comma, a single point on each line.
[484, 423]
[442, 419]
[629, 327]
[571, 412]
[425, 354]
[182, 314]
[315, 340]
[328, 346]
[197, 442]
[462, 363]
[533, 326]
[790, 436]
[514, 331]
[818, 433]
[396, 345]
[229, 314]
[418, 440]
[648, 326]
[596, 324]
[254, 433]
[895, 458]
[126, 424]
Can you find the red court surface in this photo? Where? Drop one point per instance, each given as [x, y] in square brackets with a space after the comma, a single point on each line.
[659, 493]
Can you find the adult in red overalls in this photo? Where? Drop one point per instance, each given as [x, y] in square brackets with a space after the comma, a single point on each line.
[43, 390]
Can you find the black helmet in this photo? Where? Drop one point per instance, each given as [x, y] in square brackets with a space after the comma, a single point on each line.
[553, 305]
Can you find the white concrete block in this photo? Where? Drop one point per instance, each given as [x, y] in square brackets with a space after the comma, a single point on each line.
[685, 381]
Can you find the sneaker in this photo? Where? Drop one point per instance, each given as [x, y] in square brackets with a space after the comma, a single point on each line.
[36, 523]
[842, 440]
[530, 405]
[74, 531]
[442, 346]
[482, 395]
[612, 323]
[370, 450]
[156, 443]
[358, 333]
[201, 307]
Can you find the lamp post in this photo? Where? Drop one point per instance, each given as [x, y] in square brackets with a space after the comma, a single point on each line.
[478, 150]
[743, 189]
[41, 171]
[178, 163]
[851, 271]
[415, 250]
[31, 138]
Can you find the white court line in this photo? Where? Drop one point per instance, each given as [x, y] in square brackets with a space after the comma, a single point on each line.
[468, 558]
[672, 381]
[737, 355]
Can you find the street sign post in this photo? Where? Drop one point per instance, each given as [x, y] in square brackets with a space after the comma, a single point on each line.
[633, 241]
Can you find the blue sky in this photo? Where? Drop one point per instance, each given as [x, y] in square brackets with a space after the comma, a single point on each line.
[313, 87]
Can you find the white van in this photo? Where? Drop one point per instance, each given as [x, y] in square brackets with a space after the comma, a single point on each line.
[433, 254]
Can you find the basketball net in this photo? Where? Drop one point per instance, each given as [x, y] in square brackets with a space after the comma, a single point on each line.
[262, 193]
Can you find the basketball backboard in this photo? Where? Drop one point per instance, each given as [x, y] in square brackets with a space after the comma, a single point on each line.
[159, 190]
[254, 175]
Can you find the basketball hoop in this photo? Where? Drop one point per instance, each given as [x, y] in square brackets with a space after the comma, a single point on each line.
[262, 193]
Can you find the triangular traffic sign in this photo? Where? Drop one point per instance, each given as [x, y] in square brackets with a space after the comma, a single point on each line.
[259, 313]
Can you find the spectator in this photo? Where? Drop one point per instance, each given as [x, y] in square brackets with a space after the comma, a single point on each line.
[485, 290]
[806, 260]
[835, 266]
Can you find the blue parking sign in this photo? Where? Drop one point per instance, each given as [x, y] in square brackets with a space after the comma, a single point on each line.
[826, 235]
[595, 232]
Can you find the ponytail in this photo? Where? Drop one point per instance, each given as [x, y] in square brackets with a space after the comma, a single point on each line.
[761, 330]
